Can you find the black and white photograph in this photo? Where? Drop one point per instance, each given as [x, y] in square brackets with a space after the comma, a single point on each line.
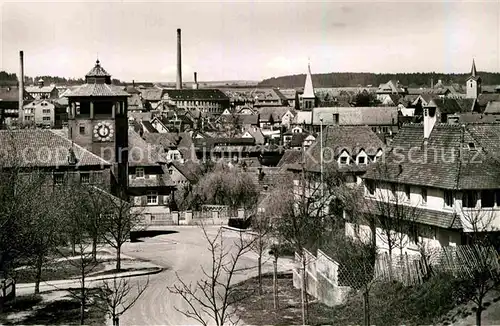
[237, 162]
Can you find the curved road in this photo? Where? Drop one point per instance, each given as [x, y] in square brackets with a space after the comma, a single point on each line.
[183, 253]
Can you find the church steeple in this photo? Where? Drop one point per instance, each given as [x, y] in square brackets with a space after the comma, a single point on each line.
[473, 83]
[308, 97]
[473, 71]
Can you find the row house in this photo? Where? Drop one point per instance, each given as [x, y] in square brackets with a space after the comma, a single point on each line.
[268, 97]
[149, 184]
[43, 113]
[41, 91]
[446, 175]
[348, 150]
[207, 101]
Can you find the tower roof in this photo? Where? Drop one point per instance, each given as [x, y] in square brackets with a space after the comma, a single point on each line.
[308, 87]
[473, 71]
[97, 71]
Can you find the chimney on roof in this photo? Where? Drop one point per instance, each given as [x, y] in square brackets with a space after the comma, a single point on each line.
[133, 83]
[432, 83]
[21, 82]
[179, 60]
[195, 85]
[429, 121]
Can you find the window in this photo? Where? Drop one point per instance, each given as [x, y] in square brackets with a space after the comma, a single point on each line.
[46, 118]
[343, 160]
[448, 198]
[46, 111]
[361, 160]
[407, 190]
[82, 130]
[487, 198]
[139, 172]
[385, 129]
[470, 199]
[152, 198]
[423, 193]
[84, 177]
[58, 178]
[370, 187]
[170, 171]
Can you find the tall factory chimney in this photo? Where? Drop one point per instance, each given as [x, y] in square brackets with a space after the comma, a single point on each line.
[195, 85]
[21, 84]
[179, 60]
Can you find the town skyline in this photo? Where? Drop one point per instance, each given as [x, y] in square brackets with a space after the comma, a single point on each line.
[137, 41]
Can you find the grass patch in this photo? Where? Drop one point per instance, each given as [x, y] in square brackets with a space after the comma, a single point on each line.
[65, 311]
[56, 271]
[390, 304]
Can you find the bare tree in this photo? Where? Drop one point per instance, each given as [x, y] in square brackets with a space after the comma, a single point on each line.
[119, 296]
[482, 264]
[120, 217]
[262, 228]
[209, 300]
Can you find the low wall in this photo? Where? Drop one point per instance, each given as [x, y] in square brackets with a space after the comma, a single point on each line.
[321, 278]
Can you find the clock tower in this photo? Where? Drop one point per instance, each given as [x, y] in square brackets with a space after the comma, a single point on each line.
[97, 120]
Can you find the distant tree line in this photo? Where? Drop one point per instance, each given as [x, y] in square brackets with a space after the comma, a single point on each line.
[11, 79]
[354, 79]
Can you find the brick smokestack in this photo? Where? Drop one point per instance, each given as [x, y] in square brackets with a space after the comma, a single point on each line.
[179, 60]
[21, 83]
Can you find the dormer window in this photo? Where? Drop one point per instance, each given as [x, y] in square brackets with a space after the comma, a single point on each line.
[472, 147]
[361, 160]
[343, 160]
[139, 172]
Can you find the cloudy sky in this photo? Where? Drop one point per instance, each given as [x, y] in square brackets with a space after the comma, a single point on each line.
[249, 40]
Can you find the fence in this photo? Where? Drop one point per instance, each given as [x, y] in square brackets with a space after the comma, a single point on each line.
[184, 218]
[459, 261]
[321, 278]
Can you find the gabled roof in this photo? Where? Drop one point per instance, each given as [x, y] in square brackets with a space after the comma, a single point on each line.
[337, 139]
[466, 157]
[152, 94]
[353, 116]
[189, 169]
[141, 153]
[290, 157]
[483, 99]
[492, 108]
[40, 89]
[256, 133]
[182, 141]
[277, 113]
[43, 148]
[449, 106]
[148, 126]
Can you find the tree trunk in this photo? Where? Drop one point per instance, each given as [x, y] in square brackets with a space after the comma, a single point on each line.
[479, 312]
[275, 282]
[303, 292]
[366, 306]
[38, 276]
[118, 258]
[82, 299]
[116, 321]
[259, 268]
[94, 248]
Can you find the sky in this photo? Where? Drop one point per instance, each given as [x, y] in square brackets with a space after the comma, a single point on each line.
[235, 40]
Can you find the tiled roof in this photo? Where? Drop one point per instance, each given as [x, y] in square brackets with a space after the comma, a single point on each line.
[148, 126]
[303, 117]
[277, 112]
[38, 89]
[188, 169]
[98, 90]
[289, 94]
[11, 94]
[447, 220]
[448, 106]
[483, 99]
[257, 135]
[298, 138]
[142, 153]
[195, 94]
[44, 148]
[163, 180]
[134, 102]
[454, 157]
[290, 156]
[351, 116]
[337, 139]
[182, 141]
[131, 90]
[492, 108]
[152, 94]
[97, 71]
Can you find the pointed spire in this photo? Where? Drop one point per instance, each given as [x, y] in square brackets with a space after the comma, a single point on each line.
[308, 87]
[473, 71]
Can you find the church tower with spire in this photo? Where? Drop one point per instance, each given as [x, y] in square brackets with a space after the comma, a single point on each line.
[308, 97]
[473, 83]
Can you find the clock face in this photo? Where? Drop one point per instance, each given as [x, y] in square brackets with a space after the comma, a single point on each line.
[103, 131]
